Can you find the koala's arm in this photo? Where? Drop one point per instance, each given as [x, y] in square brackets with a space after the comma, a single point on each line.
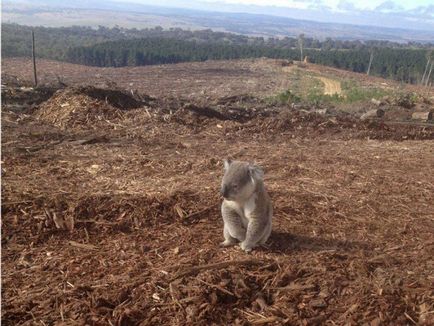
[259, 225]
[255, 232]
[233, 222]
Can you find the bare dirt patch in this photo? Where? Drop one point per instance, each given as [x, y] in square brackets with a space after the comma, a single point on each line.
[194, 81]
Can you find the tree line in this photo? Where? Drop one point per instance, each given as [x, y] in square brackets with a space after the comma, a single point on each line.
[53, 42]
[406, 65]
[132, 47]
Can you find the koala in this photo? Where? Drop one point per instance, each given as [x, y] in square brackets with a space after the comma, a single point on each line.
[246, 209]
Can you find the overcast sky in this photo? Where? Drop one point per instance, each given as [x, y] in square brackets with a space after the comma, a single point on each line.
[403, 14]
[359, 4]
[392, 5]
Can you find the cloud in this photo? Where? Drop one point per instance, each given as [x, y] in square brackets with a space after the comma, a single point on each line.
[426, 12]
[316, 2]
[429, 10]
[389, 6]
[346, 6]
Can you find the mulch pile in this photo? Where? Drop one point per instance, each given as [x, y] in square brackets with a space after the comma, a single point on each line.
[87, 106]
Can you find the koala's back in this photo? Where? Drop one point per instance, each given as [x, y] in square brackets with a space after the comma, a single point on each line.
[264, 206]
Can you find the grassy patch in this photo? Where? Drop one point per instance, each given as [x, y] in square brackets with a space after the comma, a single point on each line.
[308, 89]
[315, 98]
[355, 93]
[285, 97]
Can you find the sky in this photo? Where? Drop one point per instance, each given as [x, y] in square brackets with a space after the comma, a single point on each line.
[335, 4]
[402, 14]
[411, 14]
[339, 5]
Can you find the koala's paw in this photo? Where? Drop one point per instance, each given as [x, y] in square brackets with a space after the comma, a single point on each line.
[227, 243]
[246, 246]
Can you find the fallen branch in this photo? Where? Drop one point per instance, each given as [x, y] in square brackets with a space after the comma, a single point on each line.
[91, 140]
[82, 245]
[95, 222]
[200, 212]
[265, 320]
[296, 287]
[38, 148]
[409, 318]
[185, 300]
[218, 288]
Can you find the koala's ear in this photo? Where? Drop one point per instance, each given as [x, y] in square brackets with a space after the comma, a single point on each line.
[227, 163]
[256, 172]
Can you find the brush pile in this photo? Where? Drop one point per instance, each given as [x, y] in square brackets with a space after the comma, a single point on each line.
[86, 106]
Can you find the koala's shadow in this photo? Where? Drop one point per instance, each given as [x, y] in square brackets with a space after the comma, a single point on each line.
[285, 242]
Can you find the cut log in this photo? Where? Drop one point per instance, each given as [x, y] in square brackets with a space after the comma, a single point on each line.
[376, 113]
[422, 116]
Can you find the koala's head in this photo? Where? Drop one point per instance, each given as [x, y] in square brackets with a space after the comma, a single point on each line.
[240, 179]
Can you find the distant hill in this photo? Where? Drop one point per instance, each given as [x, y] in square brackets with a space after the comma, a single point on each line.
[108, 13]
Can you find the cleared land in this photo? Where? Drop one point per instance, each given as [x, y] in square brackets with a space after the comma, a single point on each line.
[201, 80]
[132, 183]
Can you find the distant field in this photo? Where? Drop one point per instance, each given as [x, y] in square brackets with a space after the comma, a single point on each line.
[247, 24]
[95, 18]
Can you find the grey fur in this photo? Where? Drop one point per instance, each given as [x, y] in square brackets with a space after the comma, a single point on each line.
[246, 209]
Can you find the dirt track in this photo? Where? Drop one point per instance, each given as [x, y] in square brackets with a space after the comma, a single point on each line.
[331, 86]
[353, 228]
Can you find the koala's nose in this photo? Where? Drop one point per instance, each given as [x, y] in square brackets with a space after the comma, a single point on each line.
[224, 191]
